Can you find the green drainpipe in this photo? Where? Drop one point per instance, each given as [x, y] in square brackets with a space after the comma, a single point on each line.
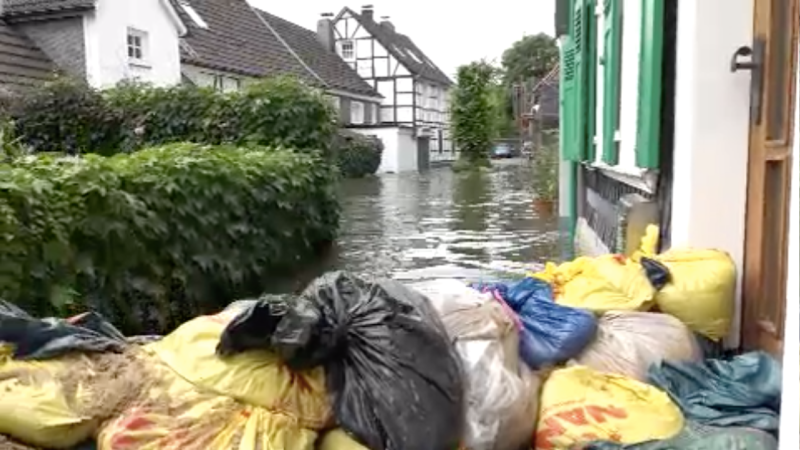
[567, 181]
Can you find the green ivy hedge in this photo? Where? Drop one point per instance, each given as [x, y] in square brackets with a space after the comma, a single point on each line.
[69, 116]
[357, 155]
[155, 237]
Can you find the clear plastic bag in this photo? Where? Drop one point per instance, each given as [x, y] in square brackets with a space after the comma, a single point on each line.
[502, 393]
[628, 342]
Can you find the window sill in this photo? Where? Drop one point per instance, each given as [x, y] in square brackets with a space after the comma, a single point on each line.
[139, 63]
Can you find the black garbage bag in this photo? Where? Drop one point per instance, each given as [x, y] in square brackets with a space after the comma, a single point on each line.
[47, 338]
[395, 380]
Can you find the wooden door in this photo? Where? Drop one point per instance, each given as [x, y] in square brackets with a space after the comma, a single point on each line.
[774, 64]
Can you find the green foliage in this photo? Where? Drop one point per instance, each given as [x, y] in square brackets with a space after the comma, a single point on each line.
[472, 112]
[69, 116]
[278, 111]
[65, 115]
[532, 57]
[356, 155]
[155, 237]
[545, 169]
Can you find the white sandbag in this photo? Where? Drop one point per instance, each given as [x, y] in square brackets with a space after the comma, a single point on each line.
[628, 342]
[502, 393]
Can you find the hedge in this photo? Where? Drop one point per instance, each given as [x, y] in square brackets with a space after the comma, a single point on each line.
[158, 236]
[69, 116]
[356, 155]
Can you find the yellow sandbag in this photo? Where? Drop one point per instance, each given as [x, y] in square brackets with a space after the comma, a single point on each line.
[174, 414]
[255, 378]
[579, 405]
[701, 291]
[339, 440]
[59, 403]
[602, 284]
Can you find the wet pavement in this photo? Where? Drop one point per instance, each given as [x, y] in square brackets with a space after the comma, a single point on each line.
[444, 224]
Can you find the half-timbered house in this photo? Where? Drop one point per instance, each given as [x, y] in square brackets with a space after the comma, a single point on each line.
[413, 117]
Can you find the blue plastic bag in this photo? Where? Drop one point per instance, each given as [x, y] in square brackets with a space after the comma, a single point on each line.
[551, 333]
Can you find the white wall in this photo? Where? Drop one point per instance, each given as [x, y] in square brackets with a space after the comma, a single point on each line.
[205, 77]
[399, 148]
[106, 43]
[711, 130]
[790, 407]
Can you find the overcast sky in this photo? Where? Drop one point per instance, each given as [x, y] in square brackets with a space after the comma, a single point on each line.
[450, 33]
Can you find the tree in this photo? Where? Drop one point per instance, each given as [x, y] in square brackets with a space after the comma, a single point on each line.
[473, 113]
[530, 57]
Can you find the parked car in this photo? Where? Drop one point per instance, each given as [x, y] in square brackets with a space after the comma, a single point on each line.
[502, 151]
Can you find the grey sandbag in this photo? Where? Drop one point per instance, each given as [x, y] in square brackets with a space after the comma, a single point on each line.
[701, 437]
[744, 391]
[50, 337]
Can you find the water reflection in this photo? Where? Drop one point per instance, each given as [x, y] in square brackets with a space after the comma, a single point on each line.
[443, 224]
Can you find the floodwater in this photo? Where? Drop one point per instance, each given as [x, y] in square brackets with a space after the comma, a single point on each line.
[444, 224]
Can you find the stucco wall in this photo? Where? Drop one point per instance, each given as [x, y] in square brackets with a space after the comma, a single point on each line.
[106, 31]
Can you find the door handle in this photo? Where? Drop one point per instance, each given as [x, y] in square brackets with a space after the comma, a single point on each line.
[756, 68]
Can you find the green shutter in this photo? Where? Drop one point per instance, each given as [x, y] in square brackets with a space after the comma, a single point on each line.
[648, 123]
[612, 63]
[591, 79]
[576, 71]
[570, 149]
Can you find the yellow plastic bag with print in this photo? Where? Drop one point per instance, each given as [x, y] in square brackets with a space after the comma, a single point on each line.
[602, 284]
[174, 414]
[59, 403]
[701, 291]
[256, 378]
[579, 405]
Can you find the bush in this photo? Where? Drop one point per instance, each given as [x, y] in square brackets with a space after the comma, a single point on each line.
[69, 116]
[276, 111]
[158, 236]
[65, 116]
[356, 155]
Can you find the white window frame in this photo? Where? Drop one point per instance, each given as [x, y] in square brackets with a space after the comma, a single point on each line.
[347, 49]
[356, 112]
[136, 45]
[375, 113]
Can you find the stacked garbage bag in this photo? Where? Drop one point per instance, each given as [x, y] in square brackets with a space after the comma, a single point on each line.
[595, 353]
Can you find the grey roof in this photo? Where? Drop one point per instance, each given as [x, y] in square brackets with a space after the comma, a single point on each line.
[325, 63]
[402, 48]
[241, 39]
[19, 8]
[22, 64]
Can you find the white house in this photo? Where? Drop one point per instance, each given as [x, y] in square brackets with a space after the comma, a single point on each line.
[215, 43]
[685, 113]
[413, 117]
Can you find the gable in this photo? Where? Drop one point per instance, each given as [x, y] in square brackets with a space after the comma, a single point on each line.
[351, 25]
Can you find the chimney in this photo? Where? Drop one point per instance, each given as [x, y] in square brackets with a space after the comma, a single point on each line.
[367, 12]
[325, 32]
[385, 23]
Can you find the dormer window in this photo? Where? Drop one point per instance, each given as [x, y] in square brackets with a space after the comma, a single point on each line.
[347, 49]
[137, 45]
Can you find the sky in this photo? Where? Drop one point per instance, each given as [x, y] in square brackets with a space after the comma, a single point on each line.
[449, 34]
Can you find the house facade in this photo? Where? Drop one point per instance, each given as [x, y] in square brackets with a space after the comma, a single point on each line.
[223, 44]
[705, 144]
[413, 116]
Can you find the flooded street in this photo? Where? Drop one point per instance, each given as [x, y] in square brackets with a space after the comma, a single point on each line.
[444, 224]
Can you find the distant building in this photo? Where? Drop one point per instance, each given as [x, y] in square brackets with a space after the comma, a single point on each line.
[413, 117]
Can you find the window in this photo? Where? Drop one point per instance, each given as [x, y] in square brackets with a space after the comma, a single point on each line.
[356, 112]
[192, 13]
[137, 43]
[375, 112]
[347, 50]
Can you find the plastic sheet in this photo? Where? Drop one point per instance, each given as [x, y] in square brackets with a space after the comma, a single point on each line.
[628, 342]
[502, 394]
[742, 392]
[396, 381]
